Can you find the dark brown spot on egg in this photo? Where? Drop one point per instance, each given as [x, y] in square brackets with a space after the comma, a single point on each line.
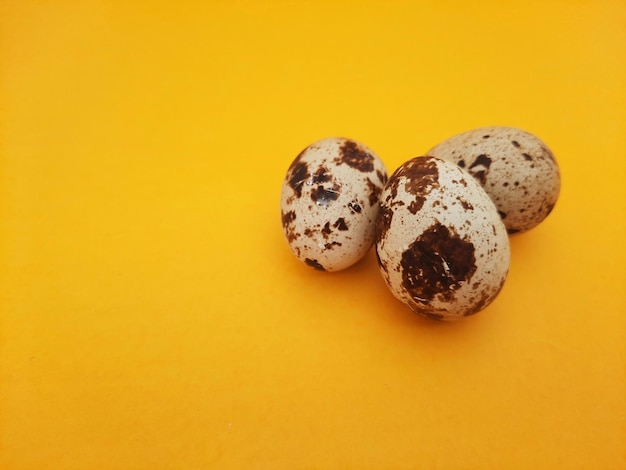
[322, 175]
[326, 231]
[479, 305]
[483, 160]
[502, 215]
[436, 264]
[480, 176]
[480, 168]
[298, 175]
[288, 217]
[382, 176]
[354, 207]
[466, 205]
[355, 157]
[383, 222]
[416, 205]
[527, 157]
[512, 231]
[340, 224]
[288, 229]
[515, 143]
[392, 185]
[314, 264]
[421, 176]
[374, 192]
[461, 163]
[323, 197]
[291, 234]
[486, 136]
[330, 246]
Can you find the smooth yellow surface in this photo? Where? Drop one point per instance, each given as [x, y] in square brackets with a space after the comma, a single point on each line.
[152, 316]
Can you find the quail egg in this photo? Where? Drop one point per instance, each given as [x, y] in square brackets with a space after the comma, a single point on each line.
[329, 202]
[516, 169]
[442, 248]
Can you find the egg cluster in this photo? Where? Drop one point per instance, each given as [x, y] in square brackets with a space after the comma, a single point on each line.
[439, 223]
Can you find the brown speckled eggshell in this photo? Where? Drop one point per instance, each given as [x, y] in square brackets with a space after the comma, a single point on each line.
[441, 245]
[517, 170]
[329, 203]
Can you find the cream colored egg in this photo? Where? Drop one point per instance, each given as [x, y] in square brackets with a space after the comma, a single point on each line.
[517, 170]
[441, 245]
[330, 201]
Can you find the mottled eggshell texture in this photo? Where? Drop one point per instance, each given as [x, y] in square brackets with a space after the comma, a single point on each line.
[517, 170]
[441, 245]
[329, 203]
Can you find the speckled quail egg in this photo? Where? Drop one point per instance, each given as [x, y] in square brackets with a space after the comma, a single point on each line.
[517, 170]
[441, 245]
[329, 203]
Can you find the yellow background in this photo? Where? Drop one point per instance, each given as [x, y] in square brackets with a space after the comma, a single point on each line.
[152, 316]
